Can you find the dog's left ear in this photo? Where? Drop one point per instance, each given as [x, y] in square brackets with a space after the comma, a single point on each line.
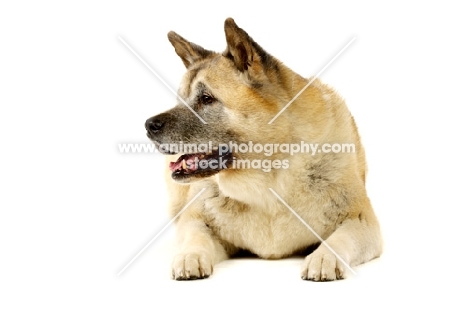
[189, 52]
[247, 55]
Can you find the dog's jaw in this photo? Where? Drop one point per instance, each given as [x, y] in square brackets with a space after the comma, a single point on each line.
[192, 167]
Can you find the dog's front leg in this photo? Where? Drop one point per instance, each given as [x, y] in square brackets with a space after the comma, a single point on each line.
[355, 241]
[199, 250]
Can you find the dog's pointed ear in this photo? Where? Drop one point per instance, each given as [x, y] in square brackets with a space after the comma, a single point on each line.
[246, 54]
[189, 52]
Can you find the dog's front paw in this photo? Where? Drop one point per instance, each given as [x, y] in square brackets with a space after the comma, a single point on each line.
[191, 266]
[322, 265]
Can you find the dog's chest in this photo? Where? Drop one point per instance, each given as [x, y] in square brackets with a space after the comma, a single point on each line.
[269, 230]
[248, 215]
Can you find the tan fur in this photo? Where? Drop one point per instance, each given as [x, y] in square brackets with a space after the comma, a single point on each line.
[237, 211]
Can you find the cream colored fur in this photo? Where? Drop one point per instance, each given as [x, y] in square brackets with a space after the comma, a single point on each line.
[237, 211]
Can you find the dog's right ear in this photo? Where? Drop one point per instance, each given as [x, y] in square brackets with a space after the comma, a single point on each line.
[189, 52]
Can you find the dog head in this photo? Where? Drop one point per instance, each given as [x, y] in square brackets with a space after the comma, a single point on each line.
[223, 97]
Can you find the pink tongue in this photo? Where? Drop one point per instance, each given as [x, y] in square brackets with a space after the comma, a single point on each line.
[174, 166]
[190, 161]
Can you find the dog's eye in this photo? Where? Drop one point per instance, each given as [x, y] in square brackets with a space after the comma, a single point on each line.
[207, 99]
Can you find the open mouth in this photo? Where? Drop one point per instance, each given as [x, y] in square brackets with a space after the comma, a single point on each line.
[200, 164]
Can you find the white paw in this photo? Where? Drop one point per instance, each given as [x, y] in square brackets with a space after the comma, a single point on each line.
[191, 266]
[322, 265]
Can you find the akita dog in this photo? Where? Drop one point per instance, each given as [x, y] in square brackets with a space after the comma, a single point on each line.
[302, 201]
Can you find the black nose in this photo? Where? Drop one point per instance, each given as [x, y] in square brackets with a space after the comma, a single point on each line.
[153, 125]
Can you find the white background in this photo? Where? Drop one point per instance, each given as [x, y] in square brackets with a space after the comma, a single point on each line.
[74, 211]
